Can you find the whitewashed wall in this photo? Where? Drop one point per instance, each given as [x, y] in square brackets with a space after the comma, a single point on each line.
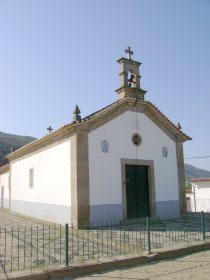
[202, 190]
[200, 199]
[105, 168]
[4, 189]
[50, 198]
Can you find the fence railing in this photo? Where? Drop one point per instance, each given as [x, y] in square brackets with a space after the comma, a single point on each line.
[56, 245]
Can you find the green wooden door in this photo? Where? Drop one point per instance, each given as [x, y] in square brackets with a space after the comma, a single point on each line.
[137, 191]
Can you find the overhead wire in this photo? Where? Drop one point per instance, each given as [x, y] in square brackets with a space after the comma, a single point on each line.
[197, 157]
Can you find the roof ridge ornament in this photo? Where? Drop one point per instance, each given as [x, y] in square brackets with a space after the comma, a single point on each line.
[179, 126]
[76, 112]
[129, 52]
[50, 129]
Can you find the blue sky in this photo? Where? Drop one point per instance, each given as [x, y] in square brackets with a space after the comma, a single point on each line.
[55, 54]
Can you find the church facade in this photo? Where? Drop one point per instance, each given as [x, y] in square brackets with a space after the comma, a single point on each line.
[124, 161]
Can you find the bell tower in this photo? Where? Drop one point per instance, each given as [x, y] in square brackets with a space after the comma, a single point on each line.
[129, 78]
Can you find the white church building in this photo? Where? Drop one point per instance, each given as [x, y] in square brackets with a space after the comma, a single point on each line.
[124, 161]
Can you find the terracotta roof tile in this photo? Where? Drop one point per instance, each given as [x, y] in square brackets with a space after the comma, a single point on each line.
[194, 180]
[4, 168]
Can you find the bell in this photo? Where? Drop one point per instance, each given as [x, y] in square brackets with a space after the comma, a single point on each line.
[132, 81]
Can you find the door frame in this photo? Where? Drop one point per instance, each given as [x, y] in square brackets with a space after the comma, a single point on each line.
[151, 184]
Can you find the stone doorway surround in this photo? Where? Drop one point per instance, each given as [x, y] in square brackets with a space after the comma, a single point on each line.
[151, 182]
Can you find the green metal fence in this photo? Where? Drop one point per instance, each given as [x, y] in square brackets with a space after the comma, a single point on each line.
[56, 245]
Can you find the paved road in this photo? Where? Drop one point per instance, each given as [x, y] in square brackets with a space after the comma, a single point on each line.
[194, 266]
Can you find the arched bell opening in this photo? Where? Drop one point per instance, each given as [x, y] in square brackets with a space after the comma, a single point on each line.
[131, 80]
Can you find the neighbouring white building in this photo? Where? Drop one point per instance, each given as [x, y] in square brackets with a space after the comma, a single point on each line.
[124, 161]
[199, 198]
[4, 186]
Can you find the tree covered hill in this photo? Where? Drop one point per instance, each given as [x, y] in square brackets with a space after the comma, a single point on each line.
[11, 142]
[194, 172]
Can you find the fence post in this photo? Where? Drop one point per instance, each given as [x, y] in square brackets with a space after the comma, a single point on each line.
[67, 244]
[203, 226]
[148, 235]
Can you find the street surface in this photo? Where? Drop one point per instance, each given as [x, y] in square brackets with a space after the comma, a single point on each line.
[194, 266]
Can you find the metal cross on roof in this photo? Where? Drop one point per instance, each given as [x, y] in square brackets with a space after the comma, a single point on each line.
[50, 129]
[129, 52]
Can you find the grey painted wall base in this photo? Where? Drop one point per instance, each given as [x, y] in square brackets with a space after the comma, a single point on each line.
[98, 213]
[54, 213]
[113, 212]
[105, 213]
[167, 208]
